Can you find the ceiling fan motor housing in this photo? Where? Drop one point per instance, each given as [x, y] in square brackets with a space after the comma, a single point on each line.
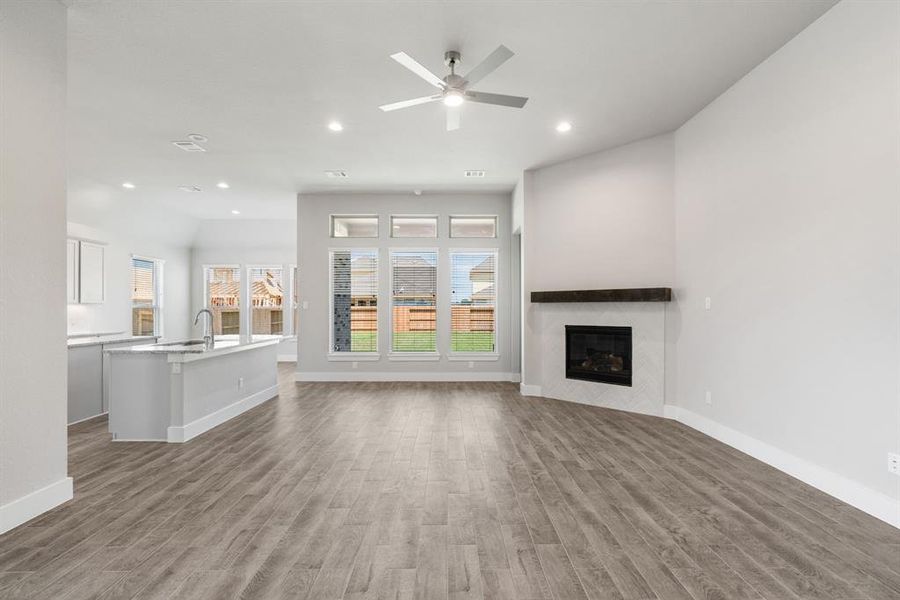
[452, 58]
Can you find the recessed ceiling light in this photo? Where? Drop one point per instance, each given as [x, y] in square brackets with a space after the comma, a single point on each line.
[128, 185]
[417, 192]
[335, 126]
[222, 185]
[235, 212]
[189, 146]
[564, 126]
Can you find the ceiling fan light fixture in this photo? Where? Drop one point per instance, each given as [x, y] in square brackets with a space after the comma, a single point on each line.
[453, 98]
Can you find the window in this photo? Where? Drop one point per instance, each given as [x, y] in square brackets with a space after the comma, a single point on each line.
[473, 303]
[414, 227]
[413, 301]
[473, 227]
[354, 300]
[354, 226]
[146, 296]
[223, 298]
[266, 301]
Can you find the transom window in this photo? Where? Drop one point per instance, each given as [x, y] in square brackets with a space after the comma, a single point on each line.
[473, 227]
[414, 227]
[354, 226]
[414, 301]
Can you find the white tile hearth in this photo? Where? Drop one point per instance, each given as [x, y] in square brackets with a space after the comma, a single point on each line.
[647, 320]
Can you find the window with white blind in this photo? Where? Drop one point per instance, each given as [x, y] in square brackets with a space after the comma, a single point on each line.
[146, 296]
[414, 300]
[266, 301]
[222, 296]
[354, 301]
[473, 303]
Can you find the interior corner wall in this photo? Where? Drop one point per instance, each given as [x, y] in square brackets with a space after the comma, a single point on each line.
[314, 242]
[33, 368]
[788, 219]
[604, 220]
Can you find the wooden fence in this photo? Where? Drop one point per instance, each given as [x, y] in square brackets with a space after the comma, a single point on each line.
[423, 318]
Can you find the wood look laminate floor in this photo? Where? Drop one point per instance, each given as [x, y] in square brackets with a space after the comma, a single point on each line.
[434, 491]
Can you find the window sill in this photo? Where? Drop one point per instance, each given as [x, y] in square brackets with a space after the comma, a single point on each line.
[474, 356]
[353, 356]
[414, 356]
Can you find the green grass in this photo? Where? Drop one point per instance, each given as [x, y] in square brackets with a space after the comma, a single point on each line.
[424, 341]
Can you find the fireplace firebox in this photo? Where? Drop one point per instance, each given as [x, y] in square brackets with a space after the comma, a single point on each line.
[597, 353]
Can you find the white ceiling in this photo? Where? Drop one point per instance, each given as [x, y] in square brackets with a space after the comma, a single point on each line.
[262, 80]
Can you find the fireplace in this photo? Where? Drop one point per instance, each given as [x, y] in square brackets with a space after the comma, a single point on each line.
[601, 354]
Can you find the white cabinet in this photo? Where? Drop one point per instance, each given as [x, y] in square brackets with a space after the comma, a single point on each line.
[92, 279]
[72, 258]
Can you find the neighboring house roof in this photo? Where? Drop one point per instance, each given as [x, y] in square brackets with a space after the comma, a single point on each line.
[486, 294]
[413, 277]
[262, 292]
[483, 271]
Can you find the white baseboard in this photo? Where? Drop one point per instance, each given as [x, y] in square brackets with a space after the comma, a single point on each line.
[204, 424]
[306, 376]
[527, 389]
[286, 358]
[38, 502]
[853, 493]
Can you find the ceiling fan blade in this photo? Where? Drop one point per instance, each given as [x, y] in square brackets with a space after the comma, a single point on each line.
[498, 99]
[489, 64]
[408, 103]
[407, 61]
[453, 118]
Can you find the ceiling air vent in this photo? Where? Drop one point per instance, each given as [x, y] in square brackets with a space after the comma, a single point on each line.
[189, 146]
[189, 188]
[336, 174]
[475, 173]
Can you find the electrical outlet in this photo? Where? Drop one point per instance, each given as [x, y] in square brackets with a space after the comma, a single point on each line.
[240, 383]
[471, 364]
[894, 463]
[305, 304]
[707, 303]
[355, 364]
[708, 397]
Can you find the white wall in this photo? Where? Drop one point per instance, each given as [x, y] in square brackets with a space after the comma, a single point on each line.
[32, 260]
[114, 314]
[313, 213]
[244, 242]
[788, 218]
[604, 220]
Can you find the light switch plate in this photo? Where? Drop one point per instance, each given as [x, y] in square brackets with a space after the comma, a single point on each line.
[894, 463]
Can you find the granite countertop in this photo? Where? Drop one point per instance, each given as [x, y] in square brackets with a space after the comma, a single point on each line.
[189, 350]
[87, 339]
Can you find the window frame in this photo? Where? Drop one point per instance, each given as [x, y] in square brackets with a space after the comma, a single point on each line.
[333, 216]
[158, 292]
[400, 355]
[331, 354]
[450, 235]
[437, 227]
[476, 356]
[243, 292]
[249, 294]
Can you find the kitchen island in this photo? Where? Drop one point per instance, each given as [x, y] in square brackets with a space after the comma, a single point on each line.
[175, 391]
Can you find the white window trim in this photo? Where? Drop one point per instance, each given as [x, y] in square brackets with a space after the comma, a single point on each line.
[437, 226]
[475, 356]
[399, 354]
[496, 219]
[249, 295]
[242, 294]
[354, 216]
[353, 356]
[158, 292]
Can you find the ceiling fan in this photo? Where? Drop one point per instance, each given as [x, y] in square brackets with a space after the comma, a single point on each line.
[455, 89]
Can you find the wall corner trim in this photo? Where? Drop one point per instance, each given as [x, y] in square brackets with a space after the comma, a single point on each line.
[853, 493]
[528, 389]
[37, 502]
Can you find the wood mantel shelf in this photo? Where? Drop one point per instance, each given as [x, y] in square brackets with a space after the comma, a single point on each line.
[662, 294]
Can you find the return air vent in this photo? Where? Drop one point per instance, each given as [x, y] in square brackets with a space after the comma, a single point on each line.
[336, 174]
[189, 146]
[475, 173]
